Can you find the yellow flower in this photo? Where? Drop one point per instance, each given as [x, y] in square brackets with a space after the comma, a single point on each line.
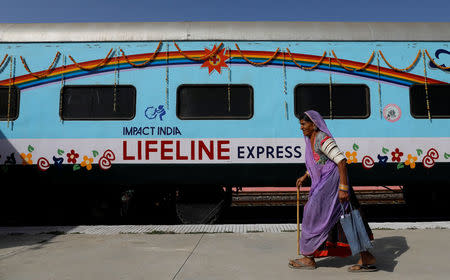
[26, 158]
[411, 161]
[351, 157]
[87, 162]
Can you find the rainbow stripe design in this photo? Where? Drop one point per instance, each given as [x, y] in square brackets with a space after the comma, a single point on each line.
[175, 58]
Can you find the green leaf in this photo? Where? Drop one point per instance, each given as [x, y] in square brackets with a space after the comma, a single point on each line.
[400, 165]
[60, 152]
[95, 153]
[76, 167]
[355, 147]
[30, 148]
[384, 150]
[446, 156]
[419, 152]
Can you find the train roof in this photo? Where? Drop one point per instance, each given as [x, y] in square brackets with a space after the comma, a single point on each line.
[225, 31]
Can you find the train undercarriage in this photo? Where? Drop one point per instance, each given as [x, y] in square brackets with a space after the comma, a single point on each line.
[45, 197]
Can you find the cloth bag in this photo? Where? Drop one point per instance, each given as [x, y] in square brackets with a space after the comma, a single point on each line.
[355, 231]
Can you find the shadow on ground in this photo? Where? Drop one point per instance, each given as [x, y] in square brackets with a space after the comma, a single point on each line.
[386, 250]
[13, 244]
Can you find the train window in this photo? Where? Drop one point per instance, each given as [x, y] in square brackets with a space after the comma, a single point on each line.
[348, 101]
[81, 102]
[439, 100]
[213, 102]
[11, 96]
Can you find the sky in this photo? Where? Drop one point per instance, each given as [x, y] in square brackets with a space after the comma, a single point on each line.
[33, 11]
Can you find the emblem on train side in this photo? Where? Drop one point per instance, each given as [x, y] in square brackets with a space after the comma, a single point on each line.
[437, 54]
[392, 113]
[154, 112]
[217, 61]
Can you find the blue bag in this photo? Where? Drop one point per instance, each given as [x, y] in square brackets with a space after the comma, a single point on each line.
[355, 231]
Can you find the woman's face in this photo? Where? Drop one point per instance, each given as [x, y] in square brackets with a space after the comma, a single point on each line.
[307, 127]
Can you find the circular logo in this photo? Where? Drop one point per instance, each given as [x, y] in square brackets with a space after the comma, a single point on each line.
[392, 113]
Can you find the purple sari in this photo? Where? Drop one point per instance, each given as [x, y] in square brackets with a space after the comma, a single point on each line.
[322, 211]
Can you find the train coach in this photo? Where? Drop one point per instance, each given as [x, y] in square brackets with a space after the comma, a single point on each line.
[184, 112]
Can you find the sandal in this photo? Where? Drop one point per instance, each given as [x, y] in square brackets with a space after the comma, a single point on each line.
[301, 265]
[363, 268]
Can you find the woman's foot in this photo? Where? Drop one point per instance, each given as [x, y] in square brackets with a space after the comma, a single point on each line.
[367, 258]
[366, 262]
[303, 263]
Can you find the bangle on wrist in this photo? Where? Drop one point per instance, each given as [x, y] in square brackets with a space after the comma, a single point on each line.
[343, 187]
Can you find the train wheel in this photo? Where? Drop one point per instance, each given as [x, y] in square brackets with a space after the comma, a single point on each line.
[201, 206]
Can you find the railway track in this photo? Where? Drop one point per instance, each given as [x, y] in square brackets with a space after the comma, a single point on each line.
[289, 197]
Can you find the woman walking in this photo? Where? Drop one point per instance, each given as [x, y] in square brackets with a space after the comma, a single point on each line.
[322, 234]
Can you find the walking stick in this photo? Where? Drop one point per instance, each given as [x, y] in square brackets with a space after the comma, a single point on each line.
[298, 220]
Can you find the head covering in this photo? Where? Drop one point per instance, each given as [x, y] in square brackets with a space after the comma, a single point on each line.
[318, 121]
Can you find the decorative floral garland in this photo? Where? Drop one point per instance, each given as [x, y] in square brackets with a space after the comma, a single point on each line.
[426, 86]
[10, 85]
[116, 77]
[205, 57]
[214, 52]
[379, 87]
[167, 77]
[404, 69]
[145, 62]
[330, 89]
[229, 81]
[257, 63]
[93, 67]
[3, 61]
[307, 68]
[354, 69]
[46, 73]
[62, 86]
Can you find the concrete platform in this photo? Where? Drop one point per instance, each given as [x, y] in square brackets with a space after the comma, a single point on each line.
[402, 254]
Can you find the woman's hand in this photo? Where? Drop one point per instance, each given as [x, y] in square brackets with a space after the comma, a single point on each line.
[343, 196]
[300, 181]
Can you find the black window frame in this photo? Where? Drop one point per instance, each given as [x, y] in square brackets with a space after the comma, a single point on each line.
[368, 105]
[248, 117]
[15, 91]
[97, 119]
[431, 104]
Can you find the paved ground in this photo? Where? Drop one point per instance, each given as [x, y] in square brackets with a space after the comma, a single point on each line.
[402, 254]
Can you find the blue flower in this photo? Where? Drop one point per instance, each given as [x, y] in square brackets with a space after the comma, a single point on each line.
[382, 160]
[58, 161]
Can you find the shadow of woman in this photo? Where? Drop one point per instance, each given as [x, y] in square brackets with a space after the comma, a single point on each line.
[386, 250]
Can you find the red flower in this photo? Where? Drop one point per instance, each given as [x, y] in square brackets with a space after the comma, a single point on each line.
[72, 157]
[396, 155]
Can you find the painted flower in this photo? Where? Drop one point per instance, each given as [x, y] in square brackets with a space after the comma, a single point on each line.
[72, 157]
[396, 155]
[58, 161]
[382, 159]
[351, 157]
[411, 161]
[87, 162]
[26, 158]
